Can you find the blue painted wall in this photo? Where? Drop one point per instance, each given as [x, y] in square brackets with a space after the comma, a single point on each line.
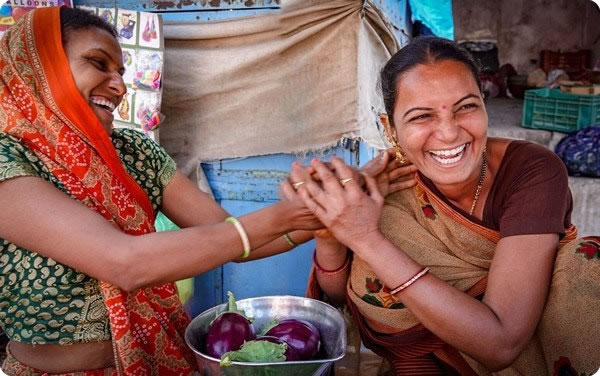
[245, 185]
[248, 184]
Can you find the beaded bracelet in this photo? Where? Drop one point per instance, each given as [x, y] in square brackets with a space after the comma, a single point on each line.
[410, 281]
[243, 235]
[330, 272]
[288, 239]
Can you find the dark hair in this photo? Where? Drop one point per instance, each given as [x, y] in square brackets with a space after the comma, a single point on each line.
[75, 19]
[421, 50]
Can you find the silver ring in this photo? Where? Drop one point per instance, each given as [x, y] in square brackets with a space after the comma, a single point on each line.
[343, 182]
[297, 185]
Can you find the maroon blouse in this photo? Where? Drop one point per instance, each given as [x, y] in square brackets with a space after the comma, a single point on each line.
[530, 193]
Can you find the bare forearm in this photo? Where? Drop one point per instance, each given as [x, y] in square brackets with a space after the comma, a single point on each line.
[279, 245]
[195, 250]
[330, 255]
[94, 246]
[460, 320]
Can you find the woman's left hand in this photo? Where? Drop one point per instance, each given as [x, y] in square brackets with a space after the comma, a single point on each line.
[351, 214]
[389, 174]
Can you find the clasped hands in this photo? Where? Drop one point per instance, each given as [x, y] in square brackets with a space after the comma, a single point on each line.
[347, 202]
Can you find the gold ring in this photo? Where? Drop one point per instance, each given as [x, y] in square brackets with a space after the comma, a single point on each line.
[297, 185]
[343, 182]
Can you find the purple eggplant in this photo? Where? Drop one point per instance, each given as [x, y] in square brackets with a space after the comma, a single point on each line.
[228, 331]
[301, 335]
[290, 353]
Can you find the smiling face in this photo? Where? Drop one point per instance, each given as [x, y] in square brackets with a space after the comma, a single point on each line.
[441, 122]
[96, 63]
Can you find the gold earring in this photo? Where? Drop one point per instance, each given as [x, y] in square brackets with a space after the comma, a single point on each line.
[400, 156]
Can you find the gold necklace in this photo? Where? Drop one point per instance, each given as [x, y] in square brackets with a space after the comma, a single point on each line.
[480, 182]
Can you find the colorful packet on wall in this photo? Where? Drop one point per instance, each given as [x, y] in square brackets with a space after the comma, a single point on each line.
[148, 71]
[150, 32]
[127, 26]
[108, 15]
[129, 62]
[147, 110]
[124, 111]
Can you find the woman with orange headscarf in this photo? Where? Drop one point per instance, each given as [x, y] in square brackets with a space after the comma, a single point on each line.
[86, 284]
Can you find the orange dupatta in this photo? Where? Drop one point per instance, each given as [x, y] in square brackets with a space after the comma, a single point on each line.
[41, 106]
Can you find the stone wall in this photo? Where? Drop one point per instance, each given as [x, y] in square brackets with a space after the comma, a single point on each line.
[524, 27]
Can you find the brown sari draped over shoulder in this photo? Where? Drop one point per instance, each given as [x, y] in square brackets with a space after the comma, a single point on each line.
[460, 252]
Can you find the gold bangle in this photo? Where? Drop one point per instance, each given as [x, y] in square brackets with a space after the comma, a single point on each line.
[288, 239]
[243, 235]
[410, 281]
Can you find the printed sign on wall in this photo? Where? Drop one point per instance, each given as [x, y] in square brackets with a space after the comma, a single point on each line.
[12, 10]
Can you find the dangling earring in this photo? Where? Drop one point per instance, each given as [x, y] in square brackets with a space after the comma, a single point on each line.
[400, 156]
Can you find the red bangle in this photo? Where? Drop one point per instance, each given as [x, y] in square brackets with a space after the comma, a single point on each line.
[330, 272]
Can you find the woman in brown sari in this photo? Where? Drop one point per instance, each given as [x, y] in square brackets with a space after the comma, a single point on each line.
[476, 268]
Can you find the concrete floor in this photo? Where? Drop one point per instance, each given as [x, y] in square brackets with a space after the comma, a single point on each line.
[505, 121]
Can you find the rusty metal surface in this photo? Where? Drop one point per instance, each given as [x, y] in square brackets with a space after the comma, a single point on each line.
[398, 13]
[212, 4]
[180, 5]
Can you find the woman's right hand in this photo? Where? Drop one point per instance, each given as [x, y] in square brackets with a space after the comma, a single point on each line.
[301, 217]
[330, 252]
[327, 243]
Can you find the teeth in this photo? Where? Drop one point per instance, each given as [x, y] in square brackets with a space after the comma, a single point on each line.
[447, 160]
[448, 156]
[103, 102]
[448, 153]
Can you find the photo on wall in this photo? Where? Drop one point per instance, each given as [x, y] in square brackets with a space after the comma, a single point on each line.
[124, 112]
[126, 26]
[147, 110]
[148, 70]
[129, 62]
[108, 15]
[150, 30]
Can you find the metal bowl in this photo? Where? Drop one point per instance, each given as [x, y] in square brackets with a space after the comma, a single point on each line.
[327, 319]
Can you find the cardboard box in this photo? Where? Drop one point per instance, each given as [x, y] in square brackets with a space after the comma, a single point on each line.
[581, 90]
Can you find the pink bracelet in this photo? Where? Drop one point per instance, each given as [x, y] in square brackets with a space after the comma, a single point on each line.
[330, 272]
[410, 281]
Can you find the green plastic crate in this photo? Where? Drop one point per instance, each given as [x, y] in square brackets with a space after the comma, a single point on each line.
[553, 110]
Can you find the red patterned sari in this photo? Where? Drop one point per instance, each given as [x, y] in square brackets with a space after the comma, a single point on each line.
[41, 106]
